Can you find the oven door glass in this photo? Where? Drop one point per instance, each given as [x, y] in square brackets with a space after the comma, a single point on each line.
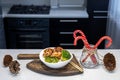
[31, 40]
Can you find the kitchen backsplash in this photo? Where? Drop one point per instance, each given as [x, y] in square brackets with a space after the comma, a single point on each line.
[27, 2]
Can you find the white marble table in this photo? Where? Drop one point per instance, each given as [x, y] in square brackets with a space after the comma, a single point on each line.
[98, 73]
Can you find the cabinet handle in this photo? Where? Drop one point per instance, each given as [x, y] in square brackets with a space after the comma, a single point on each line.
[30, 36]
[68, 20]
[66, 44]
[31, 41]
[97, 11]
[66, 32]
[100, 17]
[31, 30]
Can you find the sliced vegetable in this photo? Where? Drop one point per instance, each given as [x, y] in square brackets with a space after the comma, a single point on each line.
[51, 59]
[65, 55]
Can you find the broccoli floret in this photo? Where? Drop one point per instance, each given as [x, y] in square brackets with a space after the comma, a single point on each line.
[65, 55]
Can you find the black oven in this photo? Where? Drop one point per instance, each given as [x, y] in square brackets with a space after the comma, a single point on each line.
[26, 33]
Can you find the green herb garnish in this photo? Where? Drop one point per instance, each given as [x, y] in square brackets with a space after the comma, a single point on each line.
[65, 55]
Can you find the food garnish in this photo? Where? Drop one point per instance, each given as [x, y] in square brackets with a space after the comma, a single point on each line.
[65, 55]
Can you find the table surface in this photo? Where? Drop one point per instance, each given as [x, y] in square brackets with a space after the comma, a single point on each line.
[98, 73]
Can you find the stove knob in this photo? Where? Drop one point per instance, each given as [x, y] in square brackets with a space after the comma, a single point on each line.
[35, 22]
[21, 22]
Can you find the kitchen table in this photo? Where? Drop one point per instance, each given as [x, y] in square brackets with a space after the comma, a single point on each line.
[98, 73]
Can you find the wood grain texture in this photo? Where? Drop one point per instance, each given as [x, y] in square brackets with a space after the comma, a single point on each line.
[39, 67]
[28, 56]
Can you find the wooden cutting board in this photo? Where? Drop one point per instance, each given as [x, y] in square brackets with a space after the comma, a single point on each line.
[39, 67]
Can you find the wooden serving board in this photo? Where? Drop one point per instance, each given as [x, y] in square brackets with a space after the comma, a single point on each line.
[39, 67]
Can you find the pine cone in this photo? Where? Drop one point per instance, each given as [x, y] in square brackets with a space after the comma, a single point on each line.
[14, 67]
[7, 60]
[109, 62]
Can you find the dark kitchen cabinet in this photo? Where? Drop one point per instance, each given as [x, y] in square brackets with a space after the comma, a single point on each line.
[97, 10]
[61, 30]
[97, 27]
[101, 5]
[94, 27]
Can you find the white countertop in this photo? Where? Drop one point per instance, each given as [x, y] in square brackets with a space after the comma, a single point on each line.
[54, 13]
[98, 73]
